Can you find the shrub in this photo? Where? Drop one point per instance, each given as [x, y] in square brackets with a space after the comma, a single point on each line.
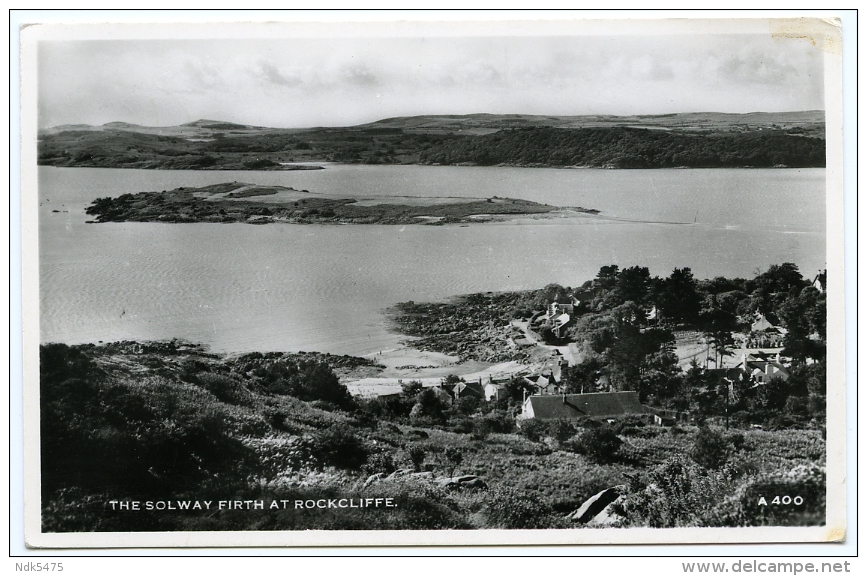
[678, 493]
[507, 507]
[494, 422]
[467, 404]
[533, 429]
[562, 430]
[710, 450]
[797, 405]
[428, 408]
[601, 445]
[462, 425]
[411, 389]
[453, 457]
[225, 388]
[416, 455]
[781, 422]
[630, 422]
[737, 440]
[380, 462]
[339, 446]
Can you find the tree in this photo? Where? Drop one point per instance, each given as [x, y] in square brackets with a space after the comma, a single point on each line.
[773, 287]
[411, 389]
[453, 456]
[615, 336]
[583, 377]
[717, 327]
[517, 388]
[549, 294]
[428, 406]
[606, 279]
[710, 450]
[678, 298]
[633, 284]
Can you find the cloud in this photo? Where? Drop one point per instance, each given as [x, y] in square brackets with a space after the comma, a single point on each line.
[273, 75]
[358, 76]
[317, 81]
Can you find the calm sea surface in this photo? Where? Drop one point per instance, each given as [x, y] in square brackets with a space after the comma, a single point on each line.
[242, 287]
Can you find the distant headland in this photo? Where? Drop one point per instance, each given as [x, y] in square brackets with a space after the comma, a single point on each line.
[688, 140]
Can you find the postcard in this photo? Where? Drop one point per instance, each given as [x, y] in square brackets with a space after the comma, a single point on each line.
[576, 281]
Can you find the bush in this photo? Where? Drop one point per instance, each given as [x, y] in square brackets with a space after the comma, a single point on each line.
[710, 450]
[533, 429]
[429, 408]
[737, 440]
[225, 388]
[416, 455]
[494, 422]
[462, 425]
[678, 493]
[507, 507]
[339, 446]
[380, 462]
[453, 458]
[600, 445]
[562, 430]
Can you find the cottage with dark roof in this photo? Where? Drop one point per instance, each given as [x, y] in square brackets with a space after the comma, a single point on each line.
[600, 405]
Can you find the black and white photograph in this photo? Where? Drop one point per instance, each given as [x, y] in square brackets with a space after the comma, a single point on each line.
[506, 282]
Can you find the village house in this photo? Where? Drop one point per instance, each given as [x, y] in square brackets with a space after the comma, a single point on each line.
[468, 390]
[558, 316]
[764, 334]
[600, 405]
[756, 367]
[492, 391]
[761, 368]
[819, 281]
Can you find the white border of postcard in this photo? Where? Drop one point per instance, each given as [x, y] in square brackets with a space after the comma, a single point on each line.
[824, 34]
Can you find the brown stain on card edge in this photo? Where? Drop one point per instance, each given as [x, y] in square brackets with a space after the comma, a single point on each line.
[835, 535]
[823, 33]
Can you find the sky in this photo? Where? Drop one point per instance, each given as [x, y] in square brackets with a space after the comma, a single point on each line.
[342, 81]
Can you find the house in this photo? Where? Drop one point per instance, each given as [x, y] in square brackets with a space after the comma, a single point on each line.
[559, 316]
[771, 370]
[492, 391]
[600, 405]
[763, 334]
[761, 324]
[469, 389]
[757, 367]
[819, 281]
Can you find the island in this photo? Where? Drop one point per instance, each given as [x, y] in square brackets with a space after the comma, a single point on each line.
[257, 204]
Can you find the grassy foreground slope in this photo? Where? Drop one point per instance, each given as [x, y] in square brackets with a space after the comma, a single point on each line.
[168, 423]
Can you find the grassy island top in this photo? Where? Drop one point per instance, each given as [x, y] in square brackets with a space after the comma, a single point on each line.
[255, 204]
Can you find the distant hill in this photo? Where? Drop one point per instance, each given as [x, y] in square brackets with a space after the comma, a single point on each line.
[810, 119]
[790, 139]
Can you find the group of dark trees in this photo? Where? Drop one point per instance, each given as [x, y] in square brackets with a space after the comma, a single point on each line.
[625, 334]
[630, 148]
